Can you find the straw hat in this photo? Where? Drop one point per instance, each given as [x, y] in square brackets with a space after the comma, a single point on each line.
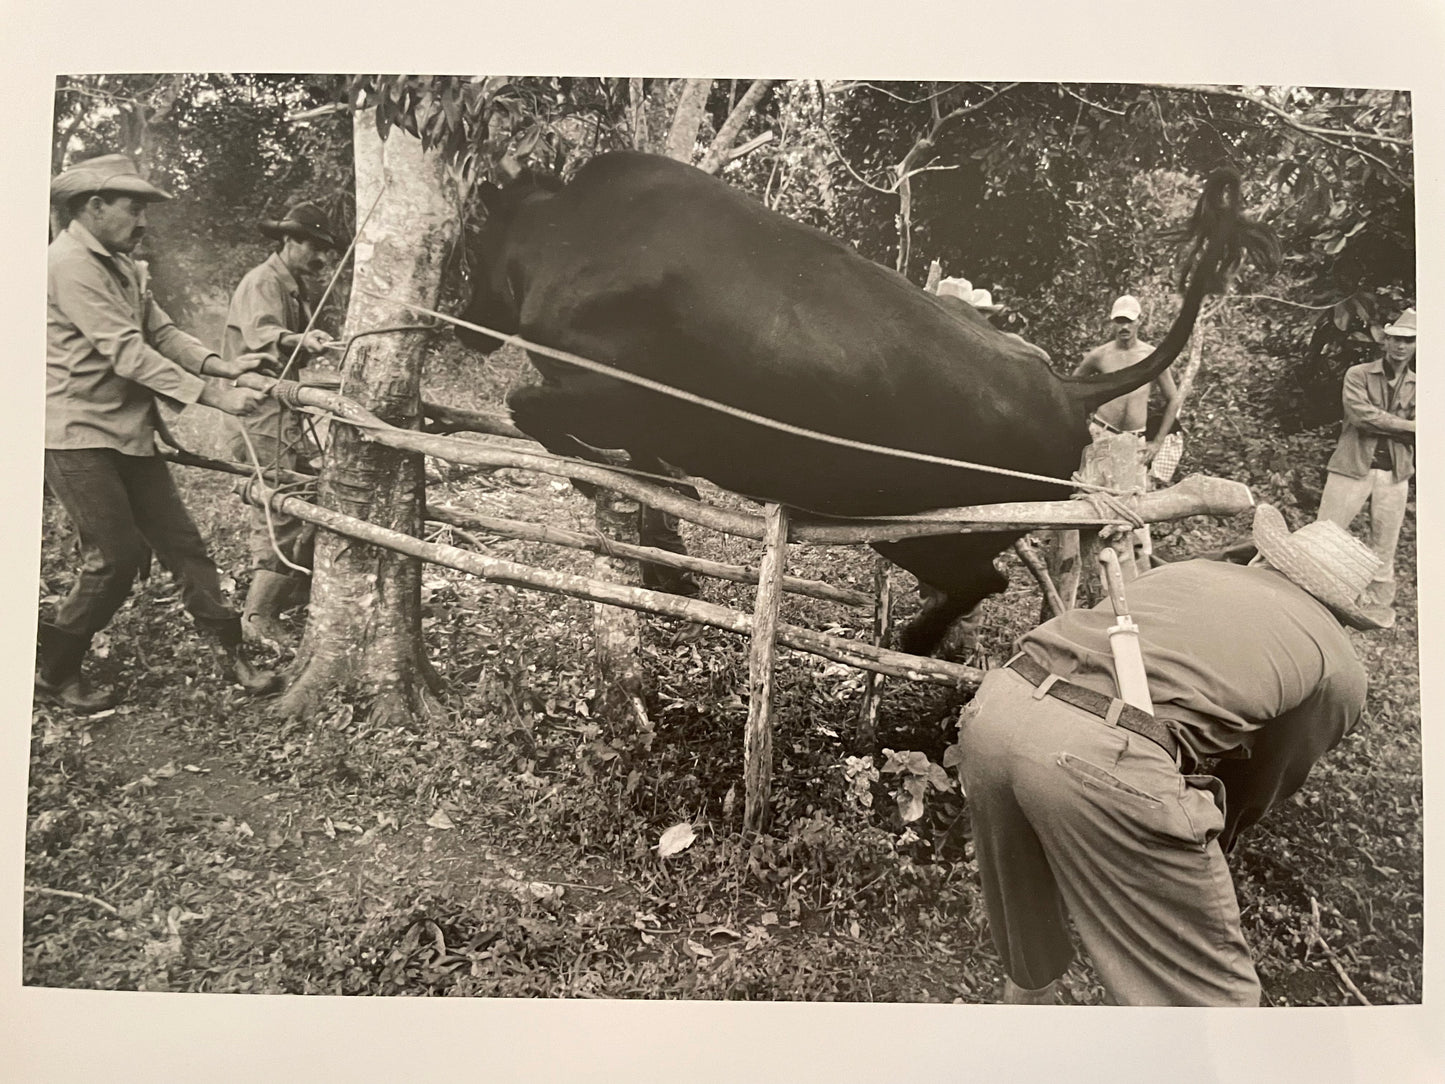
[1326, 560]
[964, 290]
[104, 173]
[982, 300]
[955, 287]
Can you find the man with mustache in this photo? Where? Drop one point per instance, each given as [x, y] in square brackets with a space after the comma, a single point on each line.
[271, 314]
[110, 352]
[1130, 413]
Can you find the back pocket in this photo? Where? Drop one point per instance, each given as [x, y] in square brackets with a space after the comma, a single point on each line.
[1097, 778]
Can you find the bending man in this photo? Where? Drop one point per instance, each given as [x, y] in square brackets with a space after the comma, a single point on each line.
[1085, 806]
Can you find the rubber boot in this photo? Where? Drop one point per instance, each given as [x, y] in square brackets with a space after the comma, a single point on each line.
[58, 678]
[228, 641]
[260, 621]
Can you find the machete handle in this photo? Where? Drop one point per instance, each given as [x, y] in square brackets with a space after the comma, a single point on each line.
[1113, 580]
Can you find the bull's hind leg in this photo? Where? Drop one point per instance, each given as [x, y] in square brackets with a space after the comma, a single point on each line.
[569, 419]
[962, 574]
[659, 529]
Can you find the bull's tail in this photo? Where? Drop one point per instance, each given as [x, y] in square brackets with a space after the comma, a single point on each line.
[1219, 236]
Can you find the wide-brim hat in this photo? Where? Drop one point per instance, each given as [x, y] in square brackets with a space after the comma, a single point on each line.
[104, 173]
[955, 287]
[982, 300]
[1326, 560]
[1404, 326]
[305, 220]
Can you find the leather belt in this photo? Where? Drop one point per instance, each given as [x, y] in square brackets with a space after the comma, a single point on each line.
[1129, 717]
[1096, 420]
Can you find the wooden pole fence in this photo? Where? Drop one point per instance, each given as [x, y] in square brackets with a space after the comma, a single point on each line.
[776, 528]
[851, 652]
[1195, 495]
[758, 735]
[557, 536]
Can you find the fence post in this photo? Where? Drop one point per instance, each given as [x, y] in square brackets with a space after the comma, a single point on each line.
[866, 740]
[1116, 461]
[616, 631]
[758, 738]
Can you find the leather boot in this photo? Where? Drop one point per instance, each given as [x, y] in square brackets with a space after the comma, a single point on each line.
[260, 621]
[227, 637]
[58, 678]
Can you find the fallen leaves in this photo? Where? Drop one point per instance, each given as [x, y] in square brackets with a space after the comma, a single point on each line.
[441, 821]
[677, 838]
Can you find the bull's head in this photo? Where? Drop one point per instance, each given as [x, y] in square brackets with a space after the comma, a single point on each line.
[494, 303]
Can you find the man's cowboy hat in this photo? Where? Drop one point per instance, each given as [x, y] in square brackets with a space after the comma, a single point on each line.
[306, 221]
[104, 173]
[1404, 327]
[1127, 307]
[982, 300]
[962, 289]
[1326, 560]
[955, 287]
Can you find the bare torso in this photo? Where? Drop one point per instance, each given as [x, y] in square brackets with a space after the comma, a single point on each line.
[1128, 412]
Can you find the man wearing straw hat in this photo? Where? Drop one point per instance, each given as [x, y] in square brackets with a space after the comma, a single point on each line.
[1375, 457]
[271, 314]
[110, 352]
[1085, 806]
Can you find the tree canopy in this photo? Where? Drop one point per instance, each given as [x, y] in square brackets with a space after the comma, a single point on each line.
[1054, 195]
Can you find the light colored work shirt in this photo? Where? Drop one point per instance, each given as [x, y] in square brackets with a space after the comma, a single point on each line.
[268, 303]
[109, 350]
[1242, 663]
[1376, 410]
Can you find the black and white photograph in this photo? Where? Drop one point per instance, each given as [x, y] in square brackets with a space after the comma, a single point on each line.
[703, 538]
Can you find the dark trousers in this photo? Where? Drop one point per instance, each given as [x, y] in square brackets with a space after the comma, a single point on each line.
[123, 507]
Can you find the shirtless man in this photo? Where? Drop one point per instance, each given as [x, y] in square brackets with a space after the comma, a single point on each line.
[1129, 413]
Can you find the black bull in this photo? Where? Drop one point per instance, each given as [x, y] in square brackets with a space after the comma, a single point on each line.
[656, 268]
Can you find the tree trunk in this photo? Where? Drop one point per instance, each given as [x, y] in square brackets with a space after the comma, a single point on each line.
[363, 637]
[687, 119]
[718, 153]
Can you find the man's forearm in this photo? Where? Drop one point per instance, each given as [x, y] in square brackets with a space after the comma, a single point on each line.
[1364, 414]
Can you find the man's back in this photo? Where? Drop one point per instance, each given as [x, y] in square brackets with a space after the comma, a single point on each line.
[1226, 647]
